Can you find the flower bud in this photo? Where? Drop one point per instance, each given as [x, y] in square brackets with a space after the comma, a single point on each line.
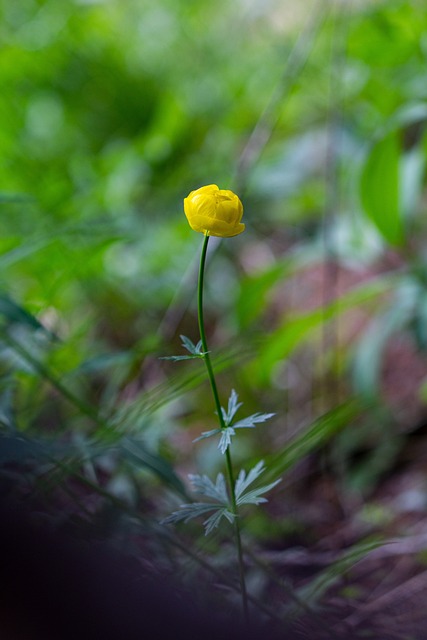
[214, 211]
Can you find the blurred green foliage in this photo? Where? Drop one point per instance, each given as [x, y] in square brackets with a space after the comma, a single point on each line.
[111, 112]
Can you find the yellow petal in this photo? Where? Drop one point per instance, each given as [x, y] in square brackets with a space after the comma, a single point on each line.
[215, 211]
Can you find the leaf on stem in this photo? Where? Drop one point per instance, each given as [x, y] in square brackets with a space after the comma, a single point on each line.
[251, 421]
[188, 512]
[194, 349]
[254, 496]
[207, 434]
[177, 358]
[225, 440]
[217, 492]
[233, 407]
[205, 486]
[229, 430]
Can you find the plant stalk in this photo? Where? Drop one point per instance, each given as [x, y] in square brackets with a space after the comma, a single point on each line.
[229, 464]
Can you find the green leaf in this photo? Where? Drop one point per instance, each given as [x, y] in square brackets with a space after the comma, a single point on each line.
[139, 455]
[7, 414]
[207, 434]
[244, 481]
[194, 349]
[213, 521]
[314, 436]
[255, 496]
[229, 430]
[225, 439]
[205, 486]
[15, 314]
[217, 492]
[178, 358]
[255, 289]
[291, 333]
[189, 511]
[312, 593]
[193, 510]
[371, 347]
[233, 407]
[380, 188]
[15, 197]
[14, 448]
[251, 421]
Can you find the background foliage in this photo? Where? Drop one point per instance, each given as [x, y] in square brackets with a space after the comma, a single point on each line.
[111, 113]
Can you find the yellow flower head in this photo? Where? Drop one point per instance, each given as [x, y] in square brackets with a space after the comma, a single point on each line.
[214, 211]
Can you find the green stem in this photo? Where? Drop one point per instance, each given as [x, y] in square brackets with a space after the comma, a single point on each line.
[214, 388]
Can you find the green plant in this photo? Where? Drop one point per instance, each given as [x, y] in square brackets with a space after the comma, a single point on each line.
[212, 213]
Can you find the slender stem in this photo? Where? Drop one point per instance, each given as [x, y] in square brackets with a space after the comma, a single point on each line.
[214, 388]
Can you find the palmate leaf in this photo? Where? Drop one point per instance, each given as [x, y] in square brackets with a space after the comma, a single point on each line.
[207, 434]
[217, 492]
[247, 423]
[254, 496]
[233, 407]
[194, 349]
[244, 481]
[178, 358]
[213, 521]
[205, 486]
[251, 421]
[188, 512]
[225, 439]
[229, 430]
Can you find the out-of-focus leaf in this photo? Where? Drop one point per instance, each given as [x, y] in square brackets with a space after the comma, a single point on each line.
[22, 252]
[14, 197]
[380, 188]
[419, 325]
[311, 438]
[401, 23]
[405, 310]
[294, 330]
[205, 486]
[312, 593]
[176, 385]
[7, 418]
[195, 509]
[15, 314]
[370, 349]
[135, 451]
[103, 362]
[194, 349]
[179, 358]
[216, 491]
[254, 496]
[412, 168]
[14, 448]
[255, 289]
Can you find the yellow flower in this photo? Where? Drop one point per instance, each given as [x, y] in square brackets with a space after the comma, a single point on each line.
[214, 211]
